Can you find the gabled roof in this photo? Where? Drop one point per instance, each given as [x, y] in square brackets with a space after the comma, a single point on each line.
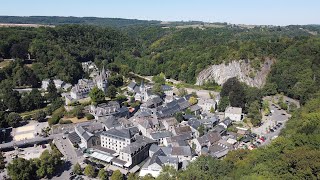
[122, 133]
[160, 134]
[166, 88]
[195, 123]
[183, 130]
[181, 151]
[195, 108]
[132, 85]
[140, 142]
[234, 110]
[210, 137]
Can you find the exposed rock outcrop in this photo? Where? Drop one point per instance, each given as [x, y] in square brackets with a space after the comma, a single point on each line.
[240, 69]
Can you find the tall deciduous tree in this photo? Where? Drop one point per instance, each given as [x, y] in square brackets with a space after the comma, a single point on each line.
[89, 171]
[116, 175]
[97, 95]
[111, 92]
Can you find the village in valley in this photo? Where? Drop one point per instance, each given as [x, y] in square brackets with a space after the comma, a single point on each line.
[139, 127]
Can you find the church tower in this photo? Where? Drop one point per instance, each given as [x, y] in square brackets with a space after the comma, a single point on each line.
[102, 81]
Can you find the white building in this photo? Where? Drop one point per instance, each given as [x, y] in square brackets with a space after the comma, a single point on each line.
[59, 84]
[234, 113]
[207, 104]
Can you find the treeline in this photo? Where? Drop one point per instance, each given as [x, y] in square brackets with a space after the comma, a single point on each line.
[59, 20]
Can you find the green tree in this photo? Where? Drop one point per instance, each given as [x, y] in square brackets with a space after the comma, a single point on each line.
[89, 171]
[97, 95]
[102, 174]
[111, 92]
[133, 176]
[157, 89]
[182, 92]
[223, 104]
[179, 116]
[21, 169]
[116, 175]
[40, 116]
[14, 119]
[159, 79]
[254, 113]
[52, 91]
[77, 169]
[212, 109]
[193, 100]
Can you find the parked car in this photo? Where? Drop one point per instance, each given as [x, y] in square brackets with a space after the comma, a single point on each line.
[271, 130]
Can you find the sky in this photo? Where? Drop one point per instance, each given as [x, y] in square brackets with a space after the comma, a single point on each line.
[258, 12]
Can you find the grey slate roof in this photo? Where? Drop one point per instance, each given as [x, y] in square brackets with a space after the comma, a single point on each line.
[132, 85]
[166, 88]
[195, 123]
[181, 151]
[227, 122]
[160, 134]
[122, 133]
[195, 108]
[141, 141]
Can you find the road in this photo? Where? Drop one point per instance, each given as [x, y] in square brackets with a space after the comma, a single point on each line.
[200, 93]
[71, 155]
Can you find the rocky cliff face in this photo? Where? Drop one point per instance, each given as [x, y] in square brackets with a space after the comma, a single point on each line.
[240, 69]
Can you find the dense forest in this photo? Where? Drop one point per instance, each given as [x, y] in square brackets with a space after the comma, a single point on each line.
[179, 53]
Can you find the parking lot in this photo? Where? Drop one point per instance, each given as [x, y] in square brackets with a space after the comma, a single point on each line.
[272, 123]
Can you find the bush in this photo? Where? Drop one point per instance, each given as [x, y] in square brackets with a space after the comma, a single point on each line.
[89, 116]
[27, 117]
[61, 121]
[40, 116]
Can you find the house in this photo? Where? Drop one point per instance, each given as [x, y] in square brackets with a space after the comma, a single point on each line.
[159, 157]
[159, 136]
[209, 122]
[234, 113]
[116, 139]
[218, 150]
[183, 153]
[207, 104]
[146, 125]
[59, 84]
[182, 130]
[153, 102]
[82, 89]
[195, 109]
[168, 91]
[132, 86]
[136, 152]
[88, 135]
[194, 125]
[180, 140]
[226, 123]
[104, 109]
[171, 108]
[206, 140]
[169, 123]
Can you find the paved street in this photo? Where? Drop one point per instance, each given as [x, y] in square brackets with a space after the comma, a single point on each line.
[71, 155]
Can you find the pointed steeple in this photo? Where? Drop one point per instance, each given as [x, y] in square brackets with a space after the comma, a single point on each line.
[103, 72]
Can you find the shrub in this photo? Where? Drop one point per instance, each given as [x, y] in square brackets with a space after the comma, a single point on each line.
[89, 116]
[61, 121]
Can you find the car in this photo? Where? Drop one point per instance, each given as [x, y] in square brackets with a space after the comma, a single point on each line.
[283, 114]
[280, 123]
[100, 166]
[86, 161]
[271, 130]
[63, 137]
[110, 172]
[258, 142]
[275, 128]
